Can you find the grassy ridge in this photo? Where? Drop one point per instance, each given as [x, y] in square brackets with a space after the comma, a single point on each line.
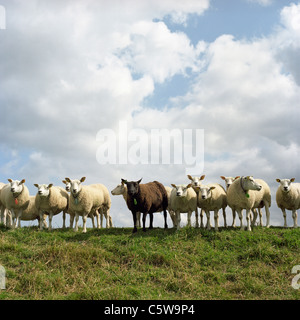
[114, 264]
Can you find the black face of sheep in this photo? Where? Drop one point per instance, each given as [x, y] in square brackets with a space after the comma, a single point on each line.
[132, 186]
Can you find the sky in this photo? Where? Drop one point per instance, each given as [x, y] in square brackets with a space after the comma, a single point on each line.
[71, 71]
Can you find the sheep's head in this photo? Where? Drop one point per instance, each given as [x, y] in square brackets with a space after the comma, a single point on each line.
[248, 183]
[229, 180]
[285, 184]
[196, 181]
[43, 189]
[75, 185]
[68, 185]
[132, 186]
[181, 189]
[119, 189]
[206, 192]
[16, 186]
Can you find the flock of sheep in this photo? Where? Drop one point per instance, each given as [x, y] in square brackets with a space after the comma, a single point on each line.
[94, 201]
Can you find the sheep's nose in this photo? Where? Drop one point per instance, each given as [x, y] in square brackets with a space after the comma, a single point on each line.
[203, 197]
[228, 185]
[74, 190]
[40, 192]
[285, 188]
[178, 193]
[259, 188]
[12, 189]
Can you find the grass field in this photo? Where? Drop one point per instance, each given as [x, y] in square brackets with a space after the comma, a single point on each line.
[116, 264]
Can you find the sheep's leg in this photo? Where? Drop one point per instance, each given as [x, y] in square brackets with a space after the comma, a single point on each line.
[76, 221]
[248, 212]
[254, 217]
[2, 215]
[284, 217]
[178, 218]
[41, 213]
[224, 217]
[197, 217]
[45, 225]
[9, 219]
[144, 221]
[71, 220]
[50, 220]
[189, 218]
[134, 222]
[138, 218]
[240, 213]
[18, 218]
[267, 214]
[64, 219]
[260, 217]
[216, 217]
[110, 222]
[151, 220]
[107, 216]
[165, 217]
[208, 225]
[294, 215]
[173, 218]
[84, 218]
[201, 219]
[233, 218]
[97, 218]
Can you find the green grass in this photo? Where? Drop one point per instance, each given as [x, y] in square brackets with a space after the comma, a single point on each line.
[116, 264]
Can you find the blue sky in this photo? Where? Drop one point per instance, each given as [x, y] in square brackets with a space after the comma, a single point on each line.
[69, 69]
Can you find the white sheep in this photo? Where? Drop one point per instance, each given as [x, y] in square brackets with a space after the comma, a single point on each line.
[86, 199]
[3, 210]
[183, 200]
[15, 198]
[121, 189]
[288, 198]
[51, 200]
[212, 197]
[247, 193]
[91, 215]
[228, 182]
[196, 182]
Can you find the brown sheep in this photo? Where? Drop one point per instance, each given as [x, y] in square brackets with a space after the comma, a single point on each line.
[146, 198]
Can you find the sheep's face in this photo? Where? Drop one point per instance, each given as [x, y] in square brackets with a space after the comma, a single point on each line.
[132, 186]
[228, 181]
[68, 185]
[206, 192]
[196, 181]
[75, 186]
[181, 189]
[16, 186]
[43, 189]
[285, 184]
[250, 184]
[119, 189]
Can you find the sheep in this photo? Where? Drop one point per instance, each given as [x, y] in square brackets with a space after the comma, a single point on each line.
[91, 214]
[183, 200]
[212, 197]
[247, 193]
[288, 198]
[228, 182]
[146, 198]
[121, 189]
[15, 197]
[51, 200]
[88, 199]
[196, 182]
[3, 211]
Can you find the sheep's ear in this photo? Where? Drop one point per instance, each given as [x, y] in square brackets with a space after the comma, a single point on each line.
[64, 181]
[22, 181]
[123, 181]
[292, 180]
[82, 179]
[202, 177]
[50, 185]
[9, 180]
[139, 181]
[36, 185]
[68, 179]
[212, 188]
[197, 189]
[173, 185]
[222, 177]
[278, 180]
[190, 177]
[236, 177]
[189, 185]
